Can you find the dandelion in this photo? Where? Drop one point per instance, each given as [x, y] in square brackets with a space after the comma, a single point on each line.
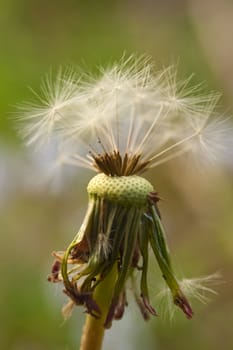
[120, 124]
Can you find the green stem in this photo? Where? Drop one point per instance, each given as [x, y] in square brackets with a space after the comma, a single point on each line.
[93, 330]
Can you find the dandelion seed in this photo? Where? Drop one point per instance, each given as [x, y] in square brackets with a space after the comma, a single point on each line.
[120, 124]
[200, 289]
[68, 309]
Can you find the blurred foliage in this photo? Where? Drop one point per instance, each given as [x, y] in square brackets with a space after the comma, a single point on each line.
[35, 37]
[39, 35]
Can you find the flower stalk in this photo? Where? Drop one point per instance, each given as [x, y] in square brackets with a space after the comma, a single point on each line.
[93, 330]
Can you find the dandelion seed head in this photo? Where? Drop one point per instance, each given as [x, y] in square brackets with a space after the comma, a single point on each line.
[125, 120]
[130, 108]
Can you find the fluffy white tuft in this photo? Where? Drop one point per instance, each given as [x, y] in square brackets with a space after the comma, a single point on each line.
[130, 107]
[200, 289]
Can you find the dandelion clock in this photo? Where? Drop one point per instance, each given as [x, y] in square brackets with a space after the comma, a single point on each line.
[129, 119]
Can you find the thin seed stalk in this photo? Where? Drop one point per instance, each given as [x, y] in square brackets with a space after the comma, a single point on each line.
[93, 330]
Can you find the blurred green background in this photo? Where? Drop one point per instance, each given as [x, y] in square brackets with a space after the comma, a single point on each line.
[36, 36]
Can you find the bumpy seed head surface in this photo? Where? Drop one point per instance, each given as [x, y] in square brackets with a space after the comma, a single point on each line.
[125, 190]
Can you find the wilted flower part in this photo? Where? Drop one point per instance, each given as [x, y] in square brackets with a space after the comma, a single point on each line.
[121, 124]
[122, 220]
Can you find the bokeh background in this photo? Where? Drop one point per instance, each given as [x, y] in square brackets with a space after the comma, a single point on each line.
[36, 36]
